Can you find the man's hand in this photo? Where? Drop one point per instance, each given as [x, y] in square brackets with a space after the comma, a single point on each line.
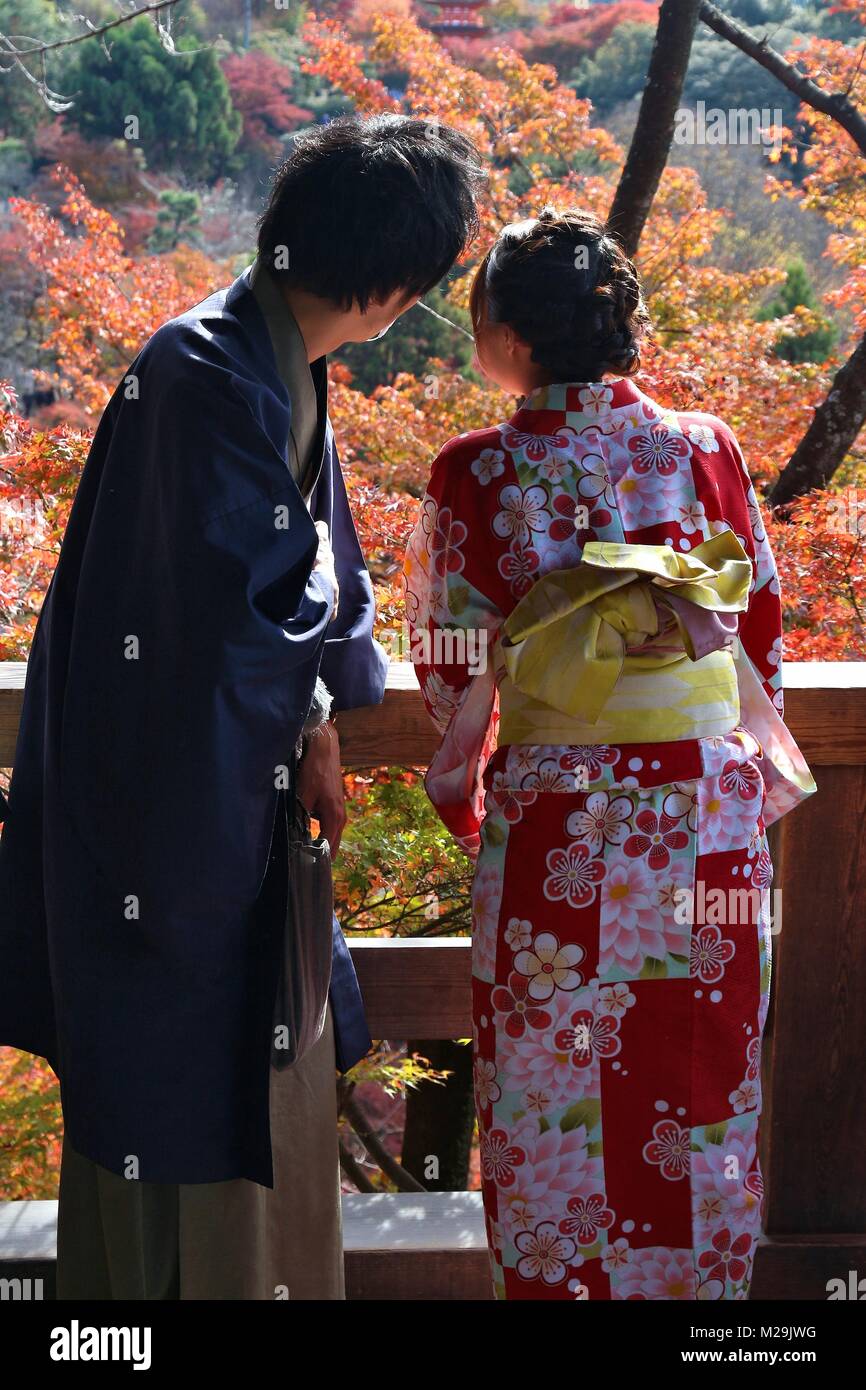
[325, 561]
[320, 783]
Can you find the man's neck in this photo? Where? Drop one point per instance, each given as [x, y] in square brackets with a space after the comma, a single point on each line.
[322, 327]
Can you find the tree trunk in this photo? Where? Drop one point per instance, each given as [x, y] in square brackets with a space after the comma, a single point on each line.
[654, 132]
[440, 1118]
[834, 428]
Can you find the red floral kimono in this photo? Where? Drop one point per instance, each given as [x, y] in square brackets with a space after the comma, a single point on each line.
[621, 948]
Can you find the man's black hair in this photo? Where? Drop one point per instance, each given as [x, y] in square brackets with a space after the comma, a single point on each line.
[366, 206]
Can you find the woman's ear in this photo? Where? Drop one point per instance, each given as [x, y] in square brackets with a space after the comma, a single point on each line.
[513, 343]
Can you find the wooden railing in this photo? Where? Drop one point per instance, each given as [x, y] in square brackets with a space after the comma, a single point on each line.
[813, 1130]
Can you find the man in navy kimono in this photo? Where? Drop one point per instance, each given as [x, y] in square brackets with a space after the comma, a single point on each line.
[210, 602]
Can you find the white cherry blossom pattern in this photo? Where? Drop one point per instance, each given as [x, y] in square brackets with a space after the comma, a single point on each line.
[489, 464]
[692, 518]
[548, 966]
[518, 933]
[595, 481]
[595, 399]
[615, 999]
[604, 818]
[487, 1088]
[574, 875]
[588, 759]
[683, 801]
[548, 777]
[522, 512]
[704, 439]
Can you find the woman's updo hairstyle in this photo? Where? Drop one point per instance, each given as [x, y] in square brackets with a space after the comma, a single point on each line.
[569, 290]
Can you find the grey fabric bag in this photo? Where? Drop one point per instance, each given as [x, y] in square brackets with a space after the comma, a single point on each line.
[301, 1000]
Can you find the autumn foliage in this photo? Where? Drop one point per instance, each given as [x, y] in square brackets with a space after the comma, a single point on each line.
[707, 352]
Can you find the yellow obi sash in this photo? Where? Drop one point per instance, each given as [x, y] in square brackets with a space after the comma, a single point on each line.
[634, 645]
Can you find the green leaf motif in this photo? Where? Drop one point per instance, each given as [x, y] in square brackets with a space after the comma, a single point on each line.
[585, 1112]
[458, 598]
[653, 969]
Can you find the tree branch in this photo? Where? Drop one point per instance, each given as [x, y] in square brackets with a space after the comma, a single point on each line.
[92, 31]
[840, 417]
[836, 105]
[654, 132]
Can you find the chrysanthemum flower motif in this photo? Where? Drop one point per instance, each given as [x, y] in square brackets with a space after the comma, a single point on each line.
[604, 817]
[683, 801]
[517, 566]
[488, 465]
[544, 1254]
[669, 1149]
[590, 758]
[499, 1157]
[703, 438]
[728, 1258]
[588, 1038]
[522, 511]
[711, 952]
[656, 836]
[518, 933]
[741, 779]
[595, 399]
[548, 966]
[445, 542]
[510, 800]
[520, 1012]
[487, 1089]
[657, 449]
[586, 1217]
[573, 875]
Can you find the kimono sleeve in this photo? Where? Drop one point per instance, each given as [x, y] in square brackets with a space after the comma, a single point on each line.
[787, 779]
[354, 665]
[453, 621]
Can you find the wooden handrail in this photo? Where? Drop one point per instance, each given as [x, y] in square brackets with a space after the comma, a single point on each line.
[813, 1126]
[825, 709]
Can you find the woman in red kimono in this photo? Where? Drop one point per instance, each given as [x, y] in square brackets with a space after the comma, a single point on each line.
[596, 628]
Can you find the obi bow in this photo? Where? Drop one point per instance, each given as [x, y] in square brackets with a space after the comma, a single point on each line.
[569, 638]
